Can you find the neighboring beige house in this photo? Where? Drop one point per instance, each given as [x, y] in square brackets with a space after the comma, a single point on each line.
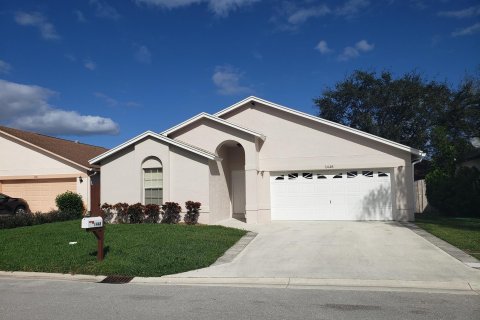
[260, 161]
[37, 168]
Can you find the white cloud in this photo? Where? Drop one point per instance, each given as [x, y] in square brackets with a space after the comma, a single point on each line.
[220, 8]
[467, 31]
[37, 20]
[143, 55]
[322, 47]
[26, 107]
[89, 64]
[303, 14]
[104, 10]
[289, 15]
[5, 67]
[223, 7]
[352, 7]
[364, 46]
[464, 13]
[227, 79]
[353, 52]
[111, 102]
[79, 15]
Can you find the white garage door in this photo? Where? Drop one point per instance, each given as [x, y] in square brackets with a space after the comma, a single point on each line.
[343, 195]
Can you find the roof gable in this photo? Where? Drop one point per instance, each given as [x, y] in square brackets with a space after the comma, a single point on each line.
[253, 100]
[152, 134]
[74, 152]
[204, 115]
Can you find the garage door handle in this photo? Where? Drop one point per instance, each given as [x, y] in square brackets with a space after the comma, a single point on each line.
[330, 201]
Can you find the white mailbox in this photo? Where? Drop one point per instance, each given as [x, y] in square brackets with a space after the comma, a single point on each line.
[92, 222]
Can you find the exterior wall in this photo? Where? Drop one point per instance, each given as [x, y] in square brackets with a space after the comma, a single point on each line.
[210, 135]
[189, 180]
[21, 162]
[295, 143]
[185, 175]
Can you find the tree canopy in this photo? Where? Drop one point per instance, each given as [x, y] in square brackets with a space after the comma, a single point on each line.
[408, 109]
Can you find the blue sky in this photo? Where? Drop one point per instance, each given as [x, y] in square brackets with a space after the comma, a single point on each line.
[103, 71]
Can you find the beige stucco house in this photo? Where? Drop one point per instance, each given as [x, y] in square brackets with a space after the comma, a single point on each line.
[37, 168]
[260, 161]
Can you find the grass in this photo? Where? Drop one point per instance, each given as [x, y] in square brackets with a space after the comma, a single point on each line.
[149, 250]
[463, 233]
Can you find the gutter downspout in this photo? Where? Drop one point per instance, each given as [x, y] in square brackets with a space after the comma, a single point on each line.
[422, 156]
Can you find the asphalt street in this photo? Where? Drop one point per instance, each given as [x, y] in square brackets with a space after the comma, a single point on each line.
[55, 300]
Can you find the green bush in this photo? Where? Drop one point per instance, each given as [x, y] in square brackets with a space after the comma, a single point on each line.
[30, 219]
[455, 195]
[70, 203]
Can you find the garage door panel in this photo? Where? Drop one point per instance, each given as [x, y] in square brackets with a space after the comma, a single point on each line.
[40, 194]
[347, 195]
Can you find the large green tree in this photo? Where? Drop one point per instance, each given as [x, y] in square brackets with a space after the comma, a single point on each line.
[400, 109]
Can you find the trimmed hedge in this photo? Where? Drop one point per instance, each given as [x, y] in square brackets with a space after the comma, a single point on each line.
[168, 213]
[30, 219]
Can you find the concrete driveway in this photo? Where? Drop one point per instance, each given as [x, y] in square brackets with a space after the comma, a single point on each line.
[340, 250]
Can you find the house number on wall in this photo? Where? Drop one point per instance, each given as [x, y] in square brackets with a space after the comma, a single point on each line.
[329, 166]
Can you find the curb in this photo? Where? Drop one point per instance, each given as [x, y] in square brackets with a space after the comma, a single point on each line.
[51, 276]
[451, 287]
[453, 251]
[458, 287]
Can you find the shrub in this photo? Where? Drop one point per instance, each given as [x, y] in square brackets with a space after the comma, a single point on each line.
[457, 195]
[121, 209]
[135, 213]
[30, 219]
[171, 212]
[107, 212]
[70, 203]
[193, 212]
[152, 213]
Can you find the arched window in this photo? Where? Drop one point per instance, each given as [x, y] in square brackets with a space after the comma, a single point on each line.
[152, 181]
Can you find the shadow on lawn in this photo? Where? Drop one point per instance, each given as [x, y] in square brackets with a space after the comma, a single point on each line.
[458, 223]
[106, 250]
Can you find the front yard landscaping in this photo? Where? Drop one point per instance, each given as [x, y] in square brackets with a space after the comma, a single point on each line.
[149, 250]
[463, 233]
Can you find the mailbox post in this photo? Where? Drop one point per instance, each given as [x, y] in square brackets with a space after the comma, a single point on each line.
[95, 225]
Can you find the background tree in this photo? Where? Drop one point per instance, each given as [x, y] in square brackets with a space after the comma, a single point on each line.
[409, 110]
[396, 109]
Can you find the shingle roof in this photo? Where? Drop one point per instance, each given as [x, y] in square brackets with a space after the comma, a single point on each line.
[78, 153]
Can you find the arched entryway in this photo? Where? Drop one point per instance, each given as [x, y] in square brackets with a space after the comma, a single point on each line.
[233, 169]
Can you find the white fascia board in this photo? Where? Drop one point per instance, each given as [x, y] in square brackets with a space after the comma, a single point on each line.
[204, 115]
[321, 120]
[152, 134]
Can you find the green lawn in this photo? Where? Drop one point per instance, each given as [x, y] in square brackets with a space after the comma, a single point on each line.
[463, 233]
[148, 250]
